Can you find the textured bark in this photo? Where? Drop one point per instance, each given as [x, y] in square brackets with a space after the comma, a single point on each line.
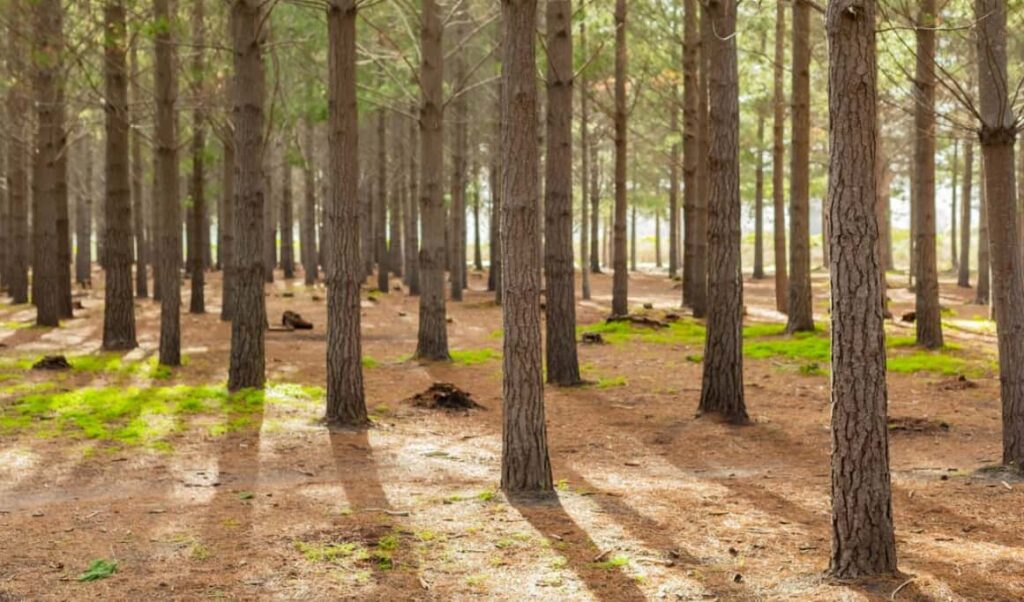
[310, 257]
[396, 203]
[287, 221]
[779, 163]
[346, 404]
[673, 186]
[269, 216]
[83, 216]
[595, 210]
[981, 294]
[457, 226]
[699, 285]
[494, 280]
[722, 382]
[863, 542]
[249, 319]
[585, 243]
[412, 214]
[691, 145]
[926, 298]
[138, 180]
[620, 279]
[197, 213]
[380, 204]
[227, 239]
[998, 137]
[432, 338]
[525, 466]
[166, 90]
[759, 203]
[47, 21]
[17, 156]
[801, 309]
[559, 273]
[118, 298]
[963, 279]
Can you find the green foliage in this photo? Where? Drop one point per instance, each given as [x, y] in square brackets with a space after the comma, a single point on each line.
[99, 569]
[473, 357]
[614, 381]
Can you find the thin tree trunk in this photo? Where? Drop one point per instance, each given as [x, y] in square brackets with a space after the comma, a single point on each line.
[982, 293]
[17, 155]
[118, 302]
[346, 404]
[759, 202]
[397, 201]
[287, 221]
[559, 273]
[801, 307]
[620, 280]
[586, 256]
[310, 263]
[412, 224]
[963, 279]
[929, 315]
[691, 146]
[494, 273]
[458, 181]
[722, 382]
[632, 239]
[657, 237]
[955, 169]
[699, 290]
[595, 210]
[166, 89]
[525, 466]
[478, 255]
[432, 338]
[197, 214]
[83, 216]
[883, 186]
[380, 205]
[138, 180]
[863, 541]
[779, 162]
[228, 206]
[673, 186]
[249, 312]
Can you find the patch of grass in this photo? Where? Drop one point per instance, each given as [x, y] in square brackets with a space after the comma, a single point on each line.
[327, 552]
[12, 325]
[931, 361]
[695, 359]
[612, 563]
[369, 362]
[486, 496]
[199, 552]
[614, 381]
[473, 357]
[812, 369]
[497, 334]
[805, 346]
[99, 569]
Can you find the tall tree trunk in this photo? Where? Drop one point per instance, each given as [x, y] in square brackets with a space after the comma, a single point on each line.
[595, 210]
[525, 466]
[691, 145]
[138, 179]
[432, 338]
[478, 254]
[397, 200]
[48, 25]
[926, 305]
[153, 216]
[287, 220]
[722, 382]
[228, 205]
[779, 162]
[346, 404]
[248, 326]
[801, 307]
[963, 279]
[380, 204]
[883, 195]
[559, 273]
[699, 290]
[197, 213]
[412, 223]
[955, 169]
[458, 181]
[310, 263]
[166, 89]
[673, 185]
[982, 293]
[17, 155]
[759, 202]
[118, 302]
[863, 542]
[657, 237]
[585, 244]
[998, 137]
[632, 238]
[620, 280]
[83, 216]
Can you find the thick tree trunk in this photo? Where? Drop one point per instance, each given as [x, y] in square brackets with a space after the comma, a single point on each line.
[166, 89]
[620, 280]
[48, 25]
[118, 299]
[287, 220]
[759, 203]
[926, 305]
[227, 240]
[310, 256]
[998, 137]
[585, 244]
[380, 204]
[722, 382]
[525, 467]
[249, 315]
[863, 542]
[197, 213]
[412, 214]
[17, 155]
[691, 145]
[138, 180]
[83, 216]
[963, 279]
[801, 307]
[346, 404]
[432, 338]
[779, 162]
[559, 273]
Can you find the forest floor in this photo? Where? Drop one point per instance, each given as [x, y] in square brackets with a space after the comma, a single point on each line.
[196, 494]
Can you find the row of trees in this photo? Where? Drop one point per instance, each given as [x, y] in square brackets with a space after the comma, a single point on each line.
[395, 219]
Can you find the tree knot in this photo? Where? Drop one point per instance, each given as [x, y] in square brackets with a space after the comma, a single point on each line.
[1000, 135]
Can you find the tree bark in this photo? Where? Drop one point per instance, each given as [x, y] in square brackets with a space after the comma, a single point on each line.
[83, 216]
[699, 286]
[269, 217]
[691, 146]
[759, 203]
[955, 170]
[397, 201]
[287, 220]
[963, 279]
[310, 263]
[883, 187]
[118, 298]
[926, 299]
[458, 182]
[863, 542]
[412, 223]
[138, 180]
[346, 404]
[722, 382]
[48, 25]
[249, 308]
[595, 210]
[228, 204]
[585, 244]
[197, 213]
[380, 204]
[17, 156]
[779, 162]
[984, 266]
[673, 185]
[525, 466]
[620, 279]
[559, 273]
[998, 137]
[801, 306]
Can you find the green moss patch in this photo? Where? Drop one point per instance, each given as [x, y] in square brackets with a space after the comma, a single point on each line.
[474, 357]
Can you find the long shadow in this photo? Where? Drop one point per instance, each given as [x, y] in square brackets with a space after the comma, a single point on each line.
[357, 470]
[579, 550]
